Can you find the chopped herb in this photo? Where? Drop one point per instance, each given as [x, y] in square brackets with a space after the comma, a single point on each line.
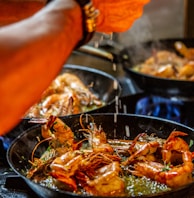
[22, 157]
[49, 148]
[191, 143]
[166, 167]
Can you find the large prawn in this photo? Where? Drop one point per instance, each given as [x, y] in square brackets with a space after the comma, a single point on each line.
[60, 138]
[177, 167]
[96, 136]
[173, 146]
[63, 168]
[96, 168]
[142, 150]
[66, 95]
[173, 176]
[99, 174]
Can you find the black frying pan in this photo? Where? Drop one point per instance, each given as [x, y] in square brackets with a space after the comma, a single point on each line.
[20, 151]
[136, 54]
[105, 87]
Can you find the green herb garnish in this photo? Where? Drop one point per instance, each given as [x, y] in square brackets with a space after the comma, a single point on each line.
[191, 143]
[166, 167]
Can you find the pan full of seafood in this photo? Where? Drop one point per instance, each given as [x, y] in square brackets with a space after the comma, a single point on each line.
[105, 155]
[75, 90]
[163, 67]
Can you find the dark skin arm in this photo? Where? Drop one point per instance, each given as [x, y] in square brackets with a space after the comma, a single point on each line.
[29, 63]
[33, 50]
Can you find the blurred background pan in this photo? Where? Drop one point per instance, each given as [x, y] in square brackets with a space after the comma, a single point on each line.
[136, 54]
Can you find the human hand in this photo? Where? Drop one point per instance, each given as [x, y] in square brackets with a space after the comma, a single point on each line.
[118, 15]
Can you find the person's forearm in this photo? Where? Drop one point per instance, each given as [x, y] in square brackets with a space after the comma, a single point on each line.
[33, 50]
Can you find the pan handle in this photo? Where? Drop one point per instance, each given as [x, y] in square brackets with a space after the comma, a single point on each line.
[100, 53]
[15, 182]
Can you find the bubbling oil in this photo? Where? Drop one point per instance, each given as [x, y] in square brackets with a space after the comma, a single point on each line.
[143, 186]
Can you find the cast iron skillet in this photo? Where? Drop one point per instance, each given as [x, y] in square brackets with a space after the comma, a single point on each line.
[136, 54]
[20, 150]
[105, 87]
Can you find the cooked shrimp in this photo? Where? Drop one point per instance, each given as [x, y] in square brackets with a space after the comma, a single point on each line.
[143, 151]
[85, 96]
[172, 145]
[64, 167]
[106, 181]
[167, 64]
[62, 135]
[184, 50]
[96, 137]
[66, 95]
[173, 176]
[187, 71]
[99, 174]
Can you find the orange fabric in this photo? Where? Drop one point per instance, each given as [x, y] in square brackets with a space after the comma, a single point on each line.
[118, 15]
[14, 11]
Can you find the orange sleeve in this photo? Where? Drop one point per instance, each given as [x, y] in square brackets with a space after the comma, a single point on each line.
[118, 16]
[13, 11]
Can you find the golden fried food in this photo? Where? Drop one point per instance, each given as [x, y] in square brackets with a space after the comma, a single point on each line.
[167, 64]
[95, 165]
[65, 96]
